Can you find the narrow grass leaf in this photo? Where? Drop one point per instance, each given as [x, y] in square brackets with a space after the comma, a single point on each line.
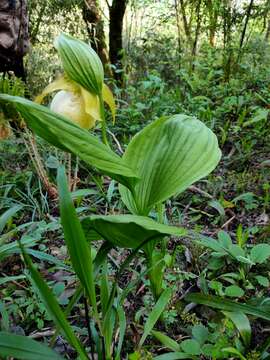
[155, 314]
[7, 215]
[166, 340]
[53, 307]
[228, 305]
[122, 329]
[79, 249]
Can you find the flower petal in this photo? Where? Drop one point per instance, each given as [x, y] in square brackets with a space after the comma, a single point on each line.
[109, 99]
[59, 84]
[91, 104]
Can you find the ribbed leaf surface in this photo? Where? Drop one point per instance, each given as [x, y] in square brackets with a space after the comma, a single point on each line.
[128, 231]
[169, 155]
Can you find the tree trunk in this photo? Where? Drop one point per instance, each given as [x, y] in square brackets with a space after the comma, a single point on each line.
[197, 32]
[245, 26]
[95, 28]
[185, 21]
[117, 12]
[267, 34]
[176, 6]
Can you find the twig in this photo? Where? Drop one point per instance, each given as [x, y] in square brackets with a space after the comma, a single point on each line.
[116, 141]
[40, 334]
[204, 193]
[228, 222]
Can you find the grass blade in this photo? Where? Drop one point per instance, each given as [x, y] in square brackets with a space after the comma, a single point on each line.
[4, 218]
[155, 314]
[228, 305]
[79, 249]
[166, 340]
[53, 307]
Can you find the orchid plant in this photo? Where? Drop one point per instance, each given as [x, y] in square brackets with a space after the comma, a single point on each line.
[161, 161]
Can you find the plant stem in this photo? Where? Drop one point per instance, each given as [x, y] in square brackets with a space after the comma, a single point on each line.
[103, 121]
[87, 318]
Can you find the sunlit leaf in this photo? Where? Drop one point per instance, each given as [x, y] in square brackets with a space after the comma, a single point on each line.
[169, 154]
[62, 133]
[127, 231]
[81, 63]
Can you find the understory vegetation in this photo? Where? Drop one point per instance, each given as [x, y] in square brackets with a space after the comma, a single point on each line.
[135, 205]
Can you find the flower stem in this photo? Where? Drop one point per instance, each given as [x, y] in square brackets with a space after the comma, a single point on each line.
[103, 121]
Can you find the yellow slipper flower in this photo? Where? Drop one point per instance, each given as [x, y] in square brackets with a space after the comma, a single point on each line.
[76, 103]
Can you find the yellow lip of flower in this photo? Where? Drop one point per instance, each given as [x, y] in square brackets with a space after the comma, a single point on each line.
[76, 103]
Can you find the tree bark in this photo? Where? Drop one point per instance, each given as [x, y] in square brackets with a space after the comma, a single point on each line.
[117, 12]
[95, 28]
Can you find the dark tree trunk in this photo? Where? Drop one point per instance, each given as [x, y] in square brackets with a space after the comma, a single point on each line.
[95, 27]
[117, 12]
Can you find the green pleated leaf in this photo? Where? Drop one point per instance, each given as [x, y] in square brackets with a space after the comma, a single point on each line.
[22, 347]
[79, 249]
[53, 307]
[62, 133]
[128, 231]
[81, 63]
[228, 305]
[242, 324]
[155, 314]
[169, 155]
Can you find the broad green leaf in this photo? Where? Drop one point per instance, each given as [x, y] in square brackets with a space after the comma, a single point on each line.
[166, 340]
[23, 347]
[81, 63]
[169, 155]
[200, 333]
[228, 305]
[212, 244]
[224, 239]
[191, 346]
[53, 307]
[234, 291]
[62, 133]
[79, 249]
[262, 280]
[4, 218]
[173, 356]
[155, 314]
[259, 253]
[242, 324]
[128, 231]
